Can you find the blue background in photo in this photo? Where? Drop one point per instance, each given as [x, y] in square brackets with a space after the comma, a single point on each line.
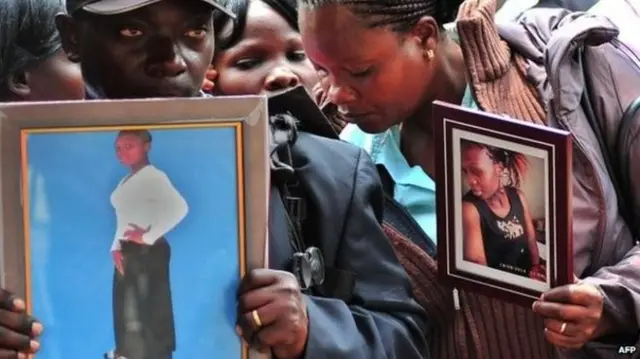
[71, 178]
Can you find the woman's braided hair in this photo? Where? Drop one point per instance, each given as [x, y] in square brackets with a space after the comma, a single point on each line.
[399, 15]
[515, 164]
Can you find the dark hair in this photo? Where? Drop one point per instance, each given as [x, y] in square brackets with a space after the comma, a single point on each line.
[226, 39]
[399, 15]
[515, 164]
[144, 135]
[28, 35]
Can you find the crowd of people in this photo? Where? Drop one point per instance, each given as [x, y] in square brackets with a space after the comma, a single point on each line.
[376, 66]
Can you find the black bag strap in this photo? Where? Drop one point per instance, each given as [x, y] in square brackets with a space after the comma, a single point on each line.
[337, 283]
[386, 180]
[618, 172]
[399, 218]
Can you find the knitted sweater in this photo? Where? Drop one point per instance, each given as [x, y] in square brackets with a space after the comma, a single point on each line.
[481, 327]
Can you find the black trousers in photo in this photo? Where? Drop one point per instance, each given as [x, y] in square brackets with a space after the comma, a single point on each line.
[142, 305]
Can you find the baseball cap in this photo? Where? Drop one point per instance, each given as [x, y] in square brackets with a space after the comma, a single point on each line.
[114, 7]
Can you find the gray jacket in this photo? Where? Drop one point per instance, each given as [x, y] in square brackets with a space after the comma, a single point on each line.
[565, 53]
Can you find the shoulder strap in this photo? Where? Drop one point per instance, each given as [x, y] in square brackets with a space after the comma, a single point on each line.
[386, 180]
[397, 217]
[337, 283]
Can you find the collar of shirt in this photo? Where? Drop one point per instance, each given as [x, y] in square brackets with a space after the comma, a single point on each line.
[385, 150]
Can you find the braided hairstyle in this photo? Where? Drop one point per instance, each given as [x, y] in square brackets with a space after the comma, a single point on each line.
[28, 35]
[515, 164]
[398, 15]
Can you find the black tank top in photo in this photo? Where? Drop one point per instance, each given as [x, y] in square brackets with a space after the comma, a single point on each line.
[505, 238]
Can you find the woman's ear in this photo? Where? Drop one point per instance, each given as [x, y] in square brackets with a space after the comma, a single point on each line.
[427, 33]
[18, 84]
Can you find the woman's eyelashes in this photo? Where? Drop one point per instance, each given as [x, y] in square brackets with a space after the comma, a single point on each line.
[248, 63]
[297, 56]
[362, 73]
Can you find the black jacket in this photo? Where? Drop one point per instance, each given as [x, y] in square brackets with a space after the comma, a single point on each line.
[345, 204]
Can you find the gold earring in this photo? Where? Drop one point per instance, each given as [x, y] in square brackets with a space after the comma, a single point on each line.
[430, 54]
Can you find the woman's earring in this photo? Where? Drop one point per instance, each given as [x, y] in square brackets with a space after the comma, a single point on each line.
[504, 179]
[73, 57]
[430, 55]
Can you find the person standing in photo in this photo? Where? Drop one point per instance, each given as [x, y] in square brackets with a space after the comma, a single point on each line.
[147, 207]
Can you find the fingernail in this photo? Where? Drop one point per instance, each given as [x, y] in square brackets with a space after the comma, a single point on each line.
[22, 356]
[534, 305]
[34, 345]
[238, 330]
[37, 328]
[19, 304]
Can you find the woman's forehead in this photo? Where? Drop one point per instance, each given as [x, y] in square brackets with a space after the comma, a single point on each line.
[331, 36]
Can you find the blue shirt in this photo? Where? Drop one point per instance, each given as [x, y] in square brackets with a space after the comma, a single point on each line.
[414, 189]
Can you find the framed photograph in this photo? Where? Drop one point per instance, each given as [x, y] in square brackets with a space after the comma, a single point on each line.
[504, 204]
[127, 225]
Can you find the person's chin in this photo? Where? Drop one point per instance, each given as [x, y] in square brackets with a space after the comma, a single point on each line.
[172, 92]
[369, 124]
[163, 89]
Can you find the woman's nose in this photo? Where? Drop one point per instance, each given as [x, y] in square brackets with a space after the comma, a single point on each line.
[340, 95]
[281, 78]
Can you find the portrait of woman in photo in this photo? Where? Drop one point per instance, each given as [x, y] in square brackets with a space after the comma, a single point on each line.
[147, 207]
[498, 228]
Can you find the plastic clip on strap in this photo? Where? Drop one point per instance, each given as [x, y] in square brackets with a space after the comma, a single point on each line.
[307, 264]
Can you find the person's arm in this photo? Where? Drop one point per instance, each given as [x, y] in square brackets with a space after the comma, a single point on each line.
[530, 231]
[381, 320]
[169, 207]
[472, 235]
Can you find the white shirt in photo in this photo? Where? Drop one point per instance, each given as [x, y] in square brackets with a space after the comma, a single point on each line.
[148, 200]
